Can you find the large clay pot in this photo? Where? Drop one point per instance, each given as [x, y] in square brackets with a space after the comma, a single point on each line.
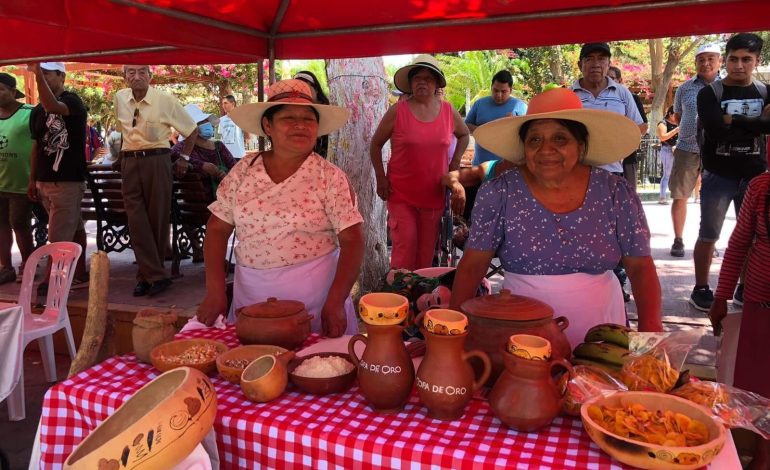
[492, 319]
[283, 323]
[152, 326]
[445, 379]
[526, 396]
[385, 370]
[158, 427]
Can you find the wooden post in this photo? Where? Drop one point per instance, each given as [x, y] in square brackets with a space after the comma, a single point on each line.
[360, 86]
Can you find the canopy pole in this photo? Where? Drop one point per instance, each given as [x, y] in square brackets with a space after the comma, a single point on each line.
[73, 57]
[261, 95]
[282, 7]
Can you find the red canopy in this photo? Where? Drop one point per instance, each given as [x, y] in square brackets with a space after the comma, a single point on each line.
[222, 31]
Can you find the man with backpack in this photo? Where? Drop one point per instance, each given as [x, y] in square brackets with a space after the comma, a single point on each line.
[732, 153]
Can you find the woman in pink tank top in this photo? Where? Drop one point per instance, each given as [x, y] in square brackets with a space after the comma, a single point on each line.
[420, 130]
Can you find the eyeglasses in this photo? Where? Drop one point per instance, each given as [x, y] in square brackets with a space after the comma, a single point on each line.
[136, 115]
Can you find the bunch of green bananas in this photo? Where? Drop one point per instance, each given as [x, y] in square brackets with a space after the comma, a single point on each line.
[605, 346]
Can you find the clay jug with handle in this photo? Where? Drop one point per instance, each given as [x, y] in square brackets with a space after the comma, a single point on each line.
[526, 397]
[445, 378]
[385, 370]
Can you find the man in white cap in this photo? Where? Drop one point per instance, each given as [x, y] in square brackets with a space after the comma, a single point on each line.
[58, 168]
[145, 116]
[687, 161]
[15, 148]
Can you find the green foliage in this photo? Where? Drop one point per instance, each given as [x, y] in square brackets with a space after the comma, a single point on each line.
[99, 105]
[318, 67]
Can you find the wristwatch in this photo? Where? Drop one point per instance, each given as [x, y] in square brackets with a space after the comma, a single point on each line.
[186, 157]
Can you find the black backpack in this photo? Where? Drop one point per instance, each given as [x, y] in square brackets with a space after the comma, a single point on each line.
[719, 89]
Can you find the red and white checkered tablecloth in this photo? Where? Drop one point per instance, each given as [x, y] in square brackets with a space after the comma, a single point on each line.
[312, 432]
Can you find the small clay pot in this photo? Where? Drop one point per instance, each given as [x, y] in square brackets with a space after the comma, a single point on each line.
[284, 323]
[243, 353]
[158, 427]
[443, 321]
[265, 378]
[383, 308]
[530, 347]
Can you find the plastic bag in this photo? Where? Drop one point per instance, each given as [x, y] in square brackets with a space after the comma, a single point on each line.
[736, 408]
[586, 383]
[657, 369]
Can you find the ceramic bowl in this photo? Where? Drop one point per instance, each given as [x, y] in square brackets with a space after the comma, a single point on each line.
[442, 321]
[326, 385]
[532, 347]
[246, 354]
[157, 427]
[161, 355]
[383, 308]
[266, 377]
[650, 456]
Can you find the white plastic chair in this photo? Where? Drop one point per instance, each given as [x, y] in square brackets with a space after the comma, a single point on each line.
[64, 256]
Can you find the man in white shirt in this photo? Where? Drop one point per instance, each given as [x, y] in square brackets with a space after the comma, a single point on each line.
[230, 134]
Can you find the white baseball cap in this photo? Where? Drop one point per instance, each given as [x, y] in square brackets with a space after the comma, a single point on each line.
[712, 48]
[198, 115]
[50, 66]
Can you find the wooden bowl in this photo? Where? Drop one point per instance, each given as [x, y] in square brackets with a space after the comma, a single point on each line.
[651, 456]
[160, 354]
[248, 353]
[322, 386]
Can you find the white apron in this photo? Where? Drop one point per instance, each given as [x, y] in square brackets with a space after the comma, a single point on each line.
[585, 299]
[307, 282]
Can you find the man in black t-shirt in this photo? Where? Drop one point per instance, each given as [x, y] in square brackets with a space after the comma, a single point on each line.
[58, 166]
[732, 153]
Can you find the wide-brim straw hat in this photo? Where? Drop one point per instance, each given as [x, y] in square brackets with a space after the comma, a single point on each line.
[611, 136]
[401, 77]
[292, 92]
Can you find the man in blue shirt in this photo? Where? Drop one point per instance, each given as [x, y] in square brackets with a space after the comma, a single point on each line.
[499, 105]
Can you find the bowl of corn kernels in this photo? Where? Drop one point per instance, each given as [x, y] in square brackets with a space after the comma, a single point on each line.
[199, 354]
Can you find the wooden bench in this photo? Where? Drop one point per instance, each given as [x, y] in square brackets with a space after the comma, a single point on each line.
[191, 196]
[103, 203]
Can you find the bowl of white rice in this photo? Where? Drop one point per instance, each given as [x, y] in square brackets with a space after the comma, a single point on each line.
[322, 373]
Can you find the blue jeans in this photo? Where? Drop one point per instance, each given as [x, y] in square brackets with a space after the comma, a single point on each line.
[716, 194]
[666, 155]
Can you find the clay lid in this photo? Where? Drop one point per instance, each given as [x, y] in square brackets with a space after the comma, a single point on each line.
[273, 308]
[507, 306]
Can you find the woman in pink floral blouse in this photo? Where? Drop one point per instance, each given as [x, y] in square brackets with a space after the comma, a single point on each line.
[295, 216]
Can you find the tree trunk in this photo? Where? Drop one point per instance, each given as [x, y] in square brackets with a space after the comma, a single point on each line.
[360, 86]
[677, 48]
[656, 62]
[554, 63]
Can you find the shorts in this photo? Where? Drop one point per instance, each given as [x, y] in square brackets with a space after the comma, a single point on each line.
[684, 174]
[15, 212]
[716, 194]
[61, 200]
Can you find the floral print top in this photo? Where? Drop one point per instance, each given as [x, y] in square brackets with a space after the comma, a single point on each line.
[530, 239]
[288, 223]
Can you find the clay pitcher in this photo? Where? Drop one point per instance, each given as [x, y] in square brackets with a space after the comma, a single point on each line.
[525, 397]
[385, 370]
[445, 379]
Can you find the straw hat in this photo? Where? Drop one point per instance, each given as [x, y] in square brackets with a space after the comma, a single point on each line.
[401, 77]
[611, 137]
[294, 92]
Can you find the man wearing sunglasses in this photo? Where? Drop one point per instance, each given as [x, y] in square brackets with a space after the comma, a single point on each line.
[145, 116]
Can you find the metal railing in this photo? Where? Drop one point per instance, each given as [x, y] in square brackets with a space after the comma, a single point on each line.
[649, 169]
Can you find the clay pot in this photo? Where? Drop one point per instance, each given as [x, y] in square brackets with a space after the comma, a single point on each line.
[152, 327]
[265, 379]
[284, 323]
[385, 370]
[445, 379]
[492, 319]
[245, 354]
[383, 308]
[526, 396]
[158, 427]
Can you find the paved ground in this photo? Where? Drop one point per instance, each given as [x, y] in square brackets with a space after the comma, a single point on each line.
[676, 276]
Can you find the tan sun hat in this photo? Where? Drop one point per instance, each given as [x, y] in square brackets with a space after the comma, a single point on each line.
[611, 137]
[401, 77]
[293, 92]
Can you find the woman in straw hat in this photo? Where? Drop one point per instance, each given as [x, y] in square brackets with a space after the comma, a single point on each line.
[295, 216]
[558, 224]
[420, 129]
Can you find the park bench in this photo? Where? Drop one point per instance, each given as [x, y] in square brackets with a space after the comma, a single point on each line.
[190, 198]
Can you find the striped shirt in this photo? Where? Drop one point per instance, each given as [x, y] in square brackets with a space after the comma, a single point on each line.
[749, 238]
[686, 105]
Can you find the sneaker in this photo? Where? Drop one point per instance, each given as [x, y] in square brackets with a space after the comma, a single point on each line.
[738, 296]
[677, 249]
[702, 298]
[663, 202]
[7, 275]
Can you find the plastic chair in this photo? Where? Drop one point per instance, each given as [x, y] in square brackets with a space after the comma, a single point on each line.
[55, 317]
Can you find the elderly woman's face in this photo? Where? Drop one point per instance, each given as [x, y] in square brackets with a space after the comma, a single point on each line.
[423, 83]
[293, 128]
[551, 151]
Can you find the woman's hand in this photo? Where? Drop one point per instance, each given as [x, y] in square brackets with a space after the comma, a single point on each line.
[458, 198]
[32, 192]
[180, 167]
[333, 319]
[213, 305]
[383, 188]
[717, 313]
[210, 169]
